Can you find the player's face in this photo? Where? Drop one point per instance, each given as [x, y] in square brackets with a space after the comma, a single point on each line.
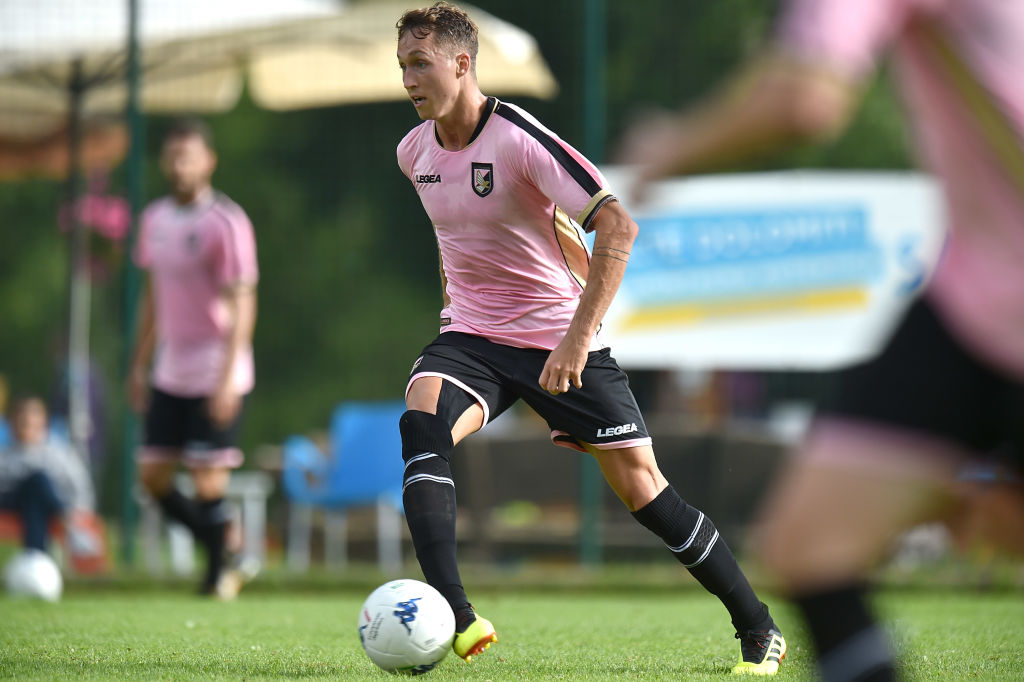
[428, 75]
[188, 164]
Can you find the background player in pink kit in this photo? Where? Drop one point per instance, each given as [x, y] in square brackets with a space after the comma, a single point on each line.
[523, 300]
[198, 315]
[950, 383]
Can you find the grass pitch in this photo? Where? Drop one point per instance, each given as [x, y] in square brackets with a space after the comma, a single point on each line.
[601, 634]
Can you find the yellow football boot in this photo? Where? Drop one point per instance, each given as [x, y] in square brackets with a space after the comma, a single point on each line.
[760, 652]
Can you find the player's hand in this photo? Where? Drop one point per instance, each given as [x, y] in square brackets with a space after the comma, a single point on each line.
[650, 146]
[222, 407]
[564, 365]
[138, 390]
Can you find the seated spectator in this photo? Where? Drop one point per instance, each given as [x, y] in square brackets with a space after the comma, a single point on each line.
[42, 479]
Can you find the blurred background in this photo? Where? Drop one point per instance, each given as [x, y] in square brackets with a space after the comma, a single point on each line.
[349, 290]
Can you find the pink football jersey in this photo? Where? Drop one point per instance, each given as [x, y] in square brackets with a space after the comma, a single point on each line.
[509, 212]
[959, 64]
[192, 253]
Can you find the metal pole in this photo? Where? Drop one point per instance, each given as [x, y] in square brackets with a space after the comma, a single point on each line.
[595, 98]
[130, 281]
[80, 292]
[594, 102]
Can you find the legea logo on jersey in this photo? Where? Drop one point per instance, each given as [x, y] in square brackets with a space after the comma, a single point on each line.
[482, 178]
[427, 178]
[616, 430]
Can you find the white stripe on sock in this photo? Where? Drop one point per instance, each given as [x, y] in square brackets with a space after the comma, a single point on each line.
[427, 477]
[419, 458]
[707, 551]
[682, 547]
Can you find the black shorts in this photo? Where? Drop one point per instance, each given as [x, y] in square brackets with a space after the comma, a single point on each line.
[926, 381]
[177, 427]
[602, 413]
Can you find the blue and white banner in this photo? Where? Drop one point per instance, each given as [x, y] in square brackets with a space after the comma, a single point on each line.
[771, 270]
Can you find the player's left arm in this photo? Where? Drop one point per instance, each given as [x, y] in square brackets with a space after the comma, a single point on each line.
[240, 300]
[236, 271]
[615, 232]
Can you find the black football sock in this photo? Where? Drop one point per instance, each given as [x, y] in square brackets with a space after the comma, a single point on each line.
[428, 494]
[214, 516]
[464, 617]
[850, 644]
[695, 542]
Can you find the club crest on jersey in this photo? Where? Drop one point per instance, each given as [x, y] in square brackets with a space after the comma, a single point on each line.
[482, 178]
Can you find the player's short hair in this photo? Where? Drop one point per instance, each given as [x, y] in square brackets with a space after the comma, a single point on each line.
[450, 25]
[25, 401]
[187, 126]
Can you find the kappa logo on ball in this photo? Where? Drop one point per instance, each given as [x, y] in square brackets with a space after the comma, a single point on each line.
[616, 430]
[406, 612]
[482, 178]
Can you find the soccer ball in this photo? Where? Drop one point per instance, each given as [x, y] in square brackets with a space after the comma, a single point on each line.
[406, 626]
[33, 574]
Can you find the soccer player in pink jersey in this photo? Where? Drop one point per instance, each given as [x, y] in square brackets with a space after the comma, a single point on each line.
[949, 384]
[193, 362]
[523, 300]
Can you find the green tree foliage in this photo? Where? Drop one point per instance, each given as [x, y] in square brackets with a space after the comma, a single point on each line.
[349, 290]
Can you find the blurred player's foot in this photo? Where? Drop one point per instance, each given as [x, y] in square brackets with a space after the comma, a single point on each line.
[761, 651]
[239, 570]
[473, 633]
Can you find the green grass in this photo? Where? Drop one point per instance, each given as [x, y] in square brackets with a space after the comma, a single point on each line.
[100, 632]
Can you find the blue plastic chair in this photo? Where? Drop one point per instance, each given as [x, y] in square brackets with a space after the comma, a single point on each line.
[363, 467]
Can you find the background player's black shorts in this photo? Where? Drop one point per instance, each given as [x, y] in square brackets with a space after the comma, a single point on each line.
[925, 380]
[603, 412]
[183, 423]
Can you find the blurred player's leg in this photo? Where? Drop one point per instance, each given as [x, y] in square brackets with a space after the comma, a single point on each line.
[835, 514]
[213, 517]
[693, 539]
[157, 476]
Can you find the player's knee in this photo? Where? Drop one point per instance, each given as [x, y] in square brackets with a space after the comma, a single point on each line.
[634, 476]
[424, 432]
[156, 481]
[211, 484]
[426, 449]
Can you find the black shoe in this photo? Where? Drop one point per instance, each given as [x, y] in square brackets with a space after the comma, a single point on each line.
[761, 651]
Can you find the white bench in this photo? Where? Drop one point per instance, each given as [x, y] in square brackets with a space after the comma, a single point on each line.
[246, 495]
